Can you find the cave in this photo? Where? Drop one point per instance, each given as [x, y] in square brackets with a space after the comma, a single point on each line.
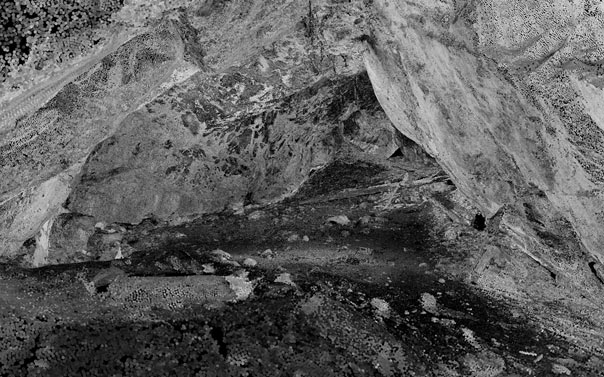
[317, 188]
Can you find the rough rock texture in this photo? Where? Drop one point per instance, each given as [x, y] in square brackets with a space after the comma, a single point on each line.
[233, 103]
[42, 153]
[194, 151]
[248, 67]
[495, 92]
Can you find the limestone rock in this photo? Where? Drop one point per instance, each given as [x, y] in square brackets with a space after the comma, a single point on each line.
[228, 104]
[220, 255]
[506, 113]
[70, 232]
[340, 220]
[558, 369]
[249, 262]
[285, 278]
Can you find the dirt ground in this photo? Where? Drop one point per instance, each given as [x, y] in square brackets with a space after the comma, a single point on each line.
[362, 272]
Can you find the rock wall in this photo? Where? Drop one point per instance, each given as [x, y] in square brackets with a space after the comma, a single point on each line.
[226, 104]
[484, 88]
[193, 150]
[233, 102]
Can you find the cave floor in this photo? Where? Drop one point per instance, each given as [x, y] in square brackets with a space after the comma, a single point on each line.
[360, 273]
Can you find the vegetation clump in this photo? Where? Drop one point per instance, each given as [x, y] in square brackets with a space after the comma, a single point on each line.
[41, 32]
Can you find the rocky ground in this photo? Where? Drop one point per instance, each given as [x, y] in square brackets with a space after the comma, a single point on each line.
[364, 271]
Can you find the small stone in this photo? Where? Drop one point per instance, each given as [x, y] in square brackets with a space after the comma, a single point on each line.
[381, 306]
[268, 253]
[345, 233]
[423, 265]
[221, 254]
[364, 220]
[441, 281]
[249, 262]
[285, 278]
[365, 250]
[293, 238]
[428, 302]
[240, 285]
[208, 269]
[100, 225]
[340, 220]
[305, 239]
[451, 234]
[106, 277]
[560, 369]
[119, 254]
[256, 215]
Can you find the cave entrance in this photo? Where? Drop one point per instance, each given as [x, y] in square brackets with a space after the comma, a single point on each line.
[325, 166]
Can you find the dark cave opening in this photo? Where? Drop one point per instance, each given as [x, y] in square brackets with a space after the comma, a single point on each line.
[479, 222]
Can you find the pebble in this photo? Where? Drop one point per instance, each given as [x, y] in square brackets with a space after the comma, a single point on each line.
[107, 276]
[365, 251]
[256, 215]
[221, 254]
[381, 306]
[305, 239]
[340, 220]
[345, 233]
[423, 265]
[249, 262]
[560, 369]
[208, 269]
[364, 220]
[285, 278]
[428, 302]
[293, 238]
[241, 286]
[441, 281]
[268, 253]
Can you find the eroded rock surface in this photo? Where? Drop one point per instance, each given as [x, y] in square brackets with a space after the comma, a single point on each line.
[197, 126]
[494, 92]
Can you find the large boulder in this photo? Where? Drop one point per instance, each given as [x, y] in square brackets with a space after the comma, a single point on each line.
[487, 89]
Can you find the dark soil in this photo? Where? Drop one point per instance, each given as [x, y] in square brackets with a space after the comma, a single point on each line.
[328, 324]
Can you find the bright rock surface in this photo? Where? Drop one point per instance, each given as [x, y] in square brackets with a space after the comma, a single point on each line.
[235, 103]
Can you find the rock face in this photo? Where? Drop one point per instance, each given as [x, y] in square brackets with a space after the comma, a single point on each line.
[44, 151]
[194, 115]
[192, 150]
[510, 115]
[233, 103]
